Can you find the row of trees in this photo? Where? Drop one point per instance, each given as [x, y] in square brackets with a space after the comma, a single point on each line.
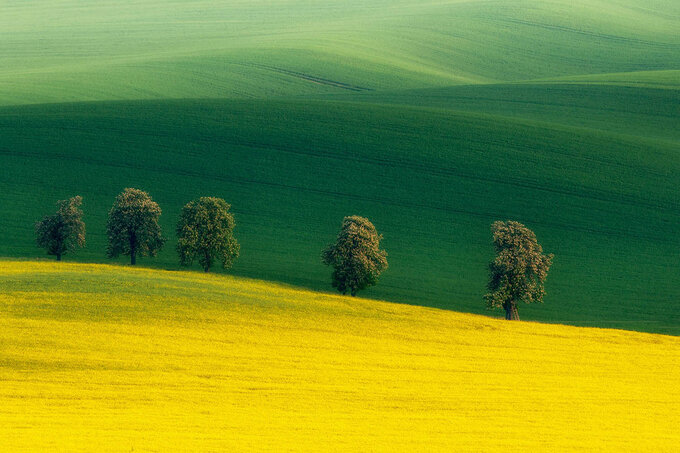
[205, 229]
[205, 234]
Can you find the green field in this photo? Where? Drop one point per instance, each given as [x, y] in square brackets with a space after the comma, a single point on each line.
[119, 359]
[76, 50]
[433, 119]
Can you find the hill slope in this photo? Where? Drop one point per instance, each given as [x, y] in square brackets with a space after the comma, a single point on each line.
[432, 180]
[126, 49]
[134, 359]
[648, 110]
[383, 109]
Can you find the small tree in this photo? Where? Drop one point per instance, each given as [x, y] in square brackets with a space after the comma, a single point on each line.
[206, 231]
[133, 227]
[519, 270]
[356, 256]
[63, 231]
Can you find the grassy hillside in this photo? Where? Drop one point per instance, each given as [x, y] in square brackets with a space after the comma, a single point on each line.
[645, 112]
[76, 50]
[431, 118]
[653, 79]
[432, 180]
[142, 360]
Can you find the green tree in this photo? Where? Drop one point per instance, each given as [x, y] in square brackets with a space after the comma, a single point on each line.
[63, 231]
[356, 256]
[206, 232]
[520, 268]
[133, 227]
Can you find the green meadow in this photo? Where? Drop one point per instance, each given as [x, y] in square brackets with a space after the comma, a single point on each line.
[433, 119]
[74, 50]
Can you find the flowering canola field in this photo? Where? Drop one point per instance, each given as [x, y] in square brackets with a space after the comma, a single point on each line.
[106, 358]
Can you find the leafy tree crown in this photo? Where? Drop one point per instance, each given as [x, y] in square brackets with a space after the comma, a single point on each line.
[519, 269]
[132, 227]
[356, 256]
[63, 231]
[205, 232]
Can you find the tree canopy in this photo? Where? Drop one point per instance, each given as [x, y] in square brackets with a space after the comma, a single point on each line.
[132, 227]
[63, 231]
[518, 272]
[205, 232]
[356, 257]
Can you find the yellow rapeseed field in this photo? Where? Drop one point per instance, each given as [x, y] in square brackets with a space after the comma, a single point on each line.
[106, 358]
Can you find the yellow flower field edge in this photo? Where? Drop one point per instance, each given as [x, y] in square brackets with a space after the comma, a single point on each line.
[107, 358]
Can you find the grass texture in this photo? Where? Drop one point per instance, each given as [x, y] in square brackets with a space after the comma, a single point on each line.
[124, 359]
[74, 50]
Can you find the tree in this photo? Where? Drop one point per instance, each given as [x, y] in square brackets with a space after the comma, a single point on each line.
[63, 231]
[356, 256]
[206, 231]
[519, 270]
[133, 227]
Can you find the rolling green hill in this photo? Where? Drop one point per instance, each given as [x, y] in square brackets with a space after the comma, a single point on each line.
[431, 118]
[642, 112]
[75, 50]
[432, 180]
[144, 360]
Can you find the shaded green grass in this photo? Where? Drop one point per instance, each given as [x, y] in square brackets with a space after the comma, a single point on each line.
[432, 180]
[643, 112]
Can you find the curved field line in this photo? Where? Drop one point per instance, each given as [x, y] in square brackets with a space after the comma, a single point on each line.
[310, 78]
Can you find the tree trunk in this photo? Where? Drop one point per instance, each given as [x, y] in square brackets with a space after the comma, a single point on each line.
[58, 256]
[511, 312]
[133, 250]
